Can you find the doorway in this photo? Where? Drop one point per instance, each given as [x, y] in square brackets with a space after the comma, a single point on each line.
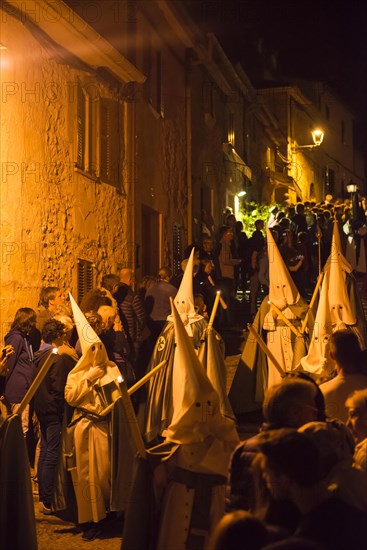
[151, 240]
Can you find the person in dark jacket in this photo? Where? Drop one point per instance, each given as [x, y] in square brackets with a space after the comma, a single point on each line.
[49, 405]
[19, 368]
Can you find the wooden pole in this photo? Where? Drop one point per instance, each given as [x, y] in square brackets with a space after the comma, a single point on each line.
[313, 299]
[145, 378]
[222, 302]
[37, 381]
[265, 349]
[214, 310]
[132, 421]
[286, 321]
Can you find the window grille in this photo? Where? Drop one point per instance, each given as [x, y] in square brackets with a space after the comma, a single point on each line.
[177, 248]
[85, 278]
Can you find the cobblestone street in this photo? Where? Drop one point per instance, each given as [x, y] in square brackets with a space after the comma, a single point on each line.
[56, 534]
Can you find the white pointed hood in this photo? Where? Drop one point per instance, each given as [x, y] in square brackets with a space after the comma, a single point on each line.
[282, 290]
[318, 360]
[212, 360]
[93, 350]
[196, 407]
[334, 311]
[337, 251]
[184, 299]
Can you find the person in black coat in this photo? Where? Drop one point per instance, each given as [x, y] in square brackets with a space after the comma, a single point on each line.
[19, 367]
[49, 405]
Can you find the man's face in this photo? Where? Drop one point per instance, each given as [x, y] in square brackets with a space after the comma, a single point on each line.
[357, 423]
[58, 300]
[208, 246]
[277, 484]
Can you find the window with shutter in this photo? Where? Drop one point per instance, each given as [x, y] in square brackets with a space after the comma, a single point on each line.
[85, 278]
[109, 142]
[177, 248]
[81, 129]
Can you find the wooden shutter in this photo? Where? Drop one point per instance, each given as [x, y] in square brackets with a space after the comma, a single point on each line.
[109, 141]
[81, 105]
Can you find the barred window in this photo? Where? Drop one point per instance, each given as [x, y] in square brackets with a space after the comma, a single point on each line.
[85, 278]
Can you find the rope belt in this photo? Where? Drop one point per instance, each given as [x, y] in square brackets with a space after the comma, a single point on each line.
[200, 514]
[294, 322]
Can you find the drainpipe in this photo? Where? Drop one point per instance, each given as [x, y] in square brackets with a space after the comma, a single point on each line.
[188, 147]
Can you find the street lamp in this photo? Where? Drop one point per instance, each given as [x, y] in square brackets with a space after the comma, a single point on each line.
[352, 187]
[317, 138]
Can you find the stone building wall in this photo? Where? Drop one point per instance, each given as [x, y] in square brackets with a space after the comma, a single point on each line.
[51, 215]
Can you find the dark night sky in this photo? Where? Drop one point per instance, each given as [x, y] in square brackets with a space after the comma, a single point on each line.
[322, 39]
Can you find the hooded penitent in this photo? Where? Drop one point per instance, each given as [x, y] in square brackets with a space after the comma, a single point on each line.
[184, 299]
[282, 289]
[196, 405]
[286, 347]
[158, 407]
[194, 496]
[211, 358]
[93, 354]
[338, 308]
[96, 438]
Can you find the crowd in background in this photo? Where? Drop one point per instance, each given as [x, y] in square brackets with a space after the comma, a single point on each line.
[304, 474]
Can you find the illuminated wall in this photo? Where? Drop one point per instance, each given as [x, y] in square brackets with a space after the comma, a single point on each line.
[52, 214]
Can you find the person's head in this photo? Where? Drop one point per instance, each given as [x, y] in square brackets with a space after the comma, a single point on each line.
[53, 332]
[291, 463]
[50, 297]
[231, 221]
[291, 403]
[345, 350]
[238, 530]
[259, 225]
[239, 227]
[108, 315]
[208, 244]
[110, 282]
[333, 440]
[24, 320]
[357, 414]
[165, 273]
[225, 234]
[68, 323]
[319, 397]
[300, 208]
[126, 276]
[95, 321]
[199, 304]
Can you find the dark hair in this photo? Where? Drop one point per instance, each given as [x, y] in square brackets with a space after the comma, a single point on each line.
[319, 398]
[52, 330]
[282, 402]
[346, 349]
[110, 281]
[239, 529]
[24, 320]
[48, 293]
[294, 455]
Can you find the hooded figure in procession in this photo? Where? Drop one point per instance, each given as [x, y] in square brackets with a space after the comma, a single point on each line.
[189, 469]
[339, 308]
[159, 406]
[94, 460]
[256, 372]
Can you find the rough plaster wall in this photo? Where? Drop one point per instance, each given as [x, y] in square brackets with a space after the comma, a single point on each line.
[173, 154]
[50, 215]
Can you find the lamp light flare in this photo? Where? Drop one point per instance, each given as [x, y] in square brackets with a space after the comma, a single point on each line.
[317, 136]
